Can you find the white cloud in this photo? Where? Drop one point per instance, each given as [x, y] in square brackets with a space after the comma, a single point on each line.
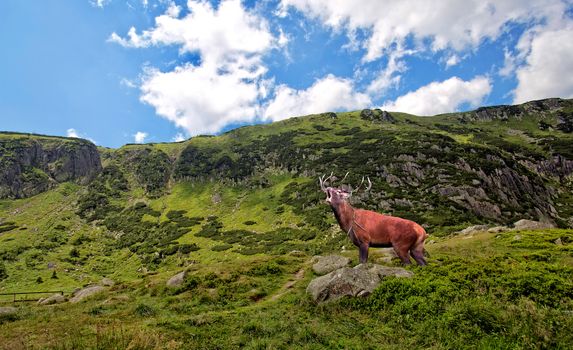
[327, 94]
[453, 60]
[217, 34]
[388, 77]
[509, 64]
[128, 83]
[71, 132]
[203, 99]
[442, 97]
[99, 3]
[548, 66]
[454, 24]
[140, 136]
[179, 137]
[228, 83]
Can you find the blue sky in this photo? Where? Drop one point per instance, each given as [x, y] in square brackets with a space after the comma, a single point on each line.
[120, 71]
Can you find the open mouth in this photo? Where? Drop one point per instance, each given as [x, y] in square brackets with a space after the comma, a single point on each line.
[328, 195]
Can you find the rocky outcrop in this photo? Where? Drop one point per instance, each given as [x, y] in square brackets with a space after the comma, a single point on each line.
[355, 282]
[329, 263]
[85, 292]
[504, 112]
[32, 164]
[377, 115]
[177, 280]
[473, 229]
[532, 225]
[54, 299]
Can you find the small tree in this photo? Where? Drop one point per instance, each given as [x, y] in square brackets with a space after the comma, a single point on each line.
[39, 280]
[54, 275]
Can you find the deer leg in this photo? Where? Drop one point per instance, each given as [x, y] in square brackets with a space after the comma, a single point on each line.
[418, 256]
[417, 253]
[363, 249]
[403, 255]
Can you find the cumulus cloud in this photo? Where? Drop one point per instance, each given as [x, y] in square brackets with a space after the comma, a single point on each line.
[140, 136]
[203, 99]
[548, 66]
[442, 97]
[444, 24]
[326, 94]
[71, 132]
[389, 76]
[453, 60]
[226, 85]
[217, 34]
[179, 137]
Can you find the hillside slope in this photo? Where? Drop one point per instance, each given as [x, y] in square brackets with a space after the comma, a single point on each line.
[243, 214]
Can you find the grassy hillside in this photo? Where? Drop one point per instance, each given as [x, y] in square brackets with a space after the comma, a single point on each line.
[243, 214]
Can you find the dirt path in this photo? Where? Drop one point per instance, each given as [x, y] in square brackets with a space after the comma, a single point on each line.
[288, 285]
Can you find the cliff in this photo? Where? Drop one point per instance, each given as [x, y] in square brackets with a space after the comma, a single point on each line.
[31, 164]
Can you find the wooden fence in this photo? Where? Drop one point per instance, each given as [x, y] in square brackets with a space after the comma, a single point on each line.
[27, 296]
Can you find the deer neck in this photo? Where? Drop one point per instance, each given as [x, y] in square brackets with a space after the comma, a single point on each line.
[344, 214]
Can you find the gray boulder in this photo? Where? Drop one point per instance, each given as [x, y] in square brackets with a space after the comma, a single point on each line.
[329, 263]
[108, 282]
[474, 229]
[532, 225]
[498, 229]
[177, 280]
[358, 281]
[8, 310]
[54, 299]
[85, 292]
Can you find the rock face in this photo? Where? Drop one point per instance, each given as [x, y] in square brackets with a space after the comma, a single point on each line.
[31, 164]
[531, 225]
[177, 280]
[54, 299]
[358, 281]
[326, 264]
[86, 292]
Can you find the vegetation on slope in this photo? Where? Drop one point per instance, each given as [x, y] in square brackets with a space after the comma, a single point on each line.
[242, 213]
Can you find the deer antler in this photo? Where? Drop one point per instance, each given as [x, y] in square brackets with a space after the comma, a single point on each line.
[361, 183]
[322, 180]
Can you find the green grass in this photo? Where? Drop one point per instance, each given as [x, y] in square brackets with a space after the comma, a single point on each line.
[488, 291]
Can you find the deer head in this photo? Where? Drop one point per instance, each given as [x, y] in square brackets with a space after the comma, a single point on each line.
[337, 195]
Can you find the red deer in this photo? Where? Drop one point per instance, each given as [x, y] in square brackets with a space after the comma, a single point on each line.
[367, 228]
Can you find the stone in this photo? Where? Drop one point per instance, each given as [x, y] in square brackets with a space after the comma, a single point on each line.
[108, 282]
[498, 229]
[51, 265]
[474, 229]
[329, 263]
[177, 280]
[524, 224]
[558, 241]
[85, 292]
[517, 237]
[358, 281]
[54, 299]
[8, 310]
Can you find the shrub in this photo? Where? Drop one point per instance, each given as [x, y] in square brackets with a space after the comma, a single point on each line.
[222, 247]
[144, 310]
